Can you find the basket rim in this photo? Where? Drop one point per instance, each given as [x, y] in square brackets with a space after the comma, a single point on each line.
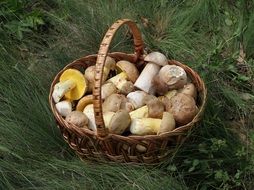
[82, 131]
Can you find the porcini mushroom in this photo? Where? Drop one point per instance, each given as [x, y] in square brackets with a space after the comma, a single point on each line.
[129, 68]
[107, 89]
[183, 108]
[155, 108]
[72, 85]
[121, 83]
[83, 102]
[144, 81]
[89, 112]
[77, 118]
[167, 123]
[156, 57]
[174, 76]
[145, 126]
[64, 107]
[119, 122]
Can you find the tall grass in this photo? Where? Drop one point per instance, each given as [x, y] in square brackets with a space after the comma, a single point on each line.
[203, 34]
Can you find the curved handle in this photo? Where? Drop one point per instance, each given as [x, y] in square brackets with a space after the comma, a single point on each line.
[101, 57]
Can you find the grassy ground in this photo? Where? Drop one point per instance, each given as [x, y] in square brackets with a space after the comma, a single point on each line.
[213, 37]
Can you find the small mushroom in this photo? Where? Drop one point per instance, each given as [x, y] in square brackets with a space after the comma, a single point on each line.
[155, 108]
[171, 94]
[183, 108]
[89, 112]
[83, 102]
[174, 76]
[64, 107]
[129, 68]
[77, 118]
[107, 89]
[167, 123]
[145, 126]
[166, 102]
[72, 85]
[139, 113]
[156, 57]
[120, 122]
[144, 81]
[189, 89]
[121, 83]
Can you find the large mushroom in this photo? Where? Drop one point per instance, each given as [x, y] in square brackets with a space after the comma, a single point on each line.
[129, 68]
[77, 118]
[183, 108]
[72, 85]
[145, 80]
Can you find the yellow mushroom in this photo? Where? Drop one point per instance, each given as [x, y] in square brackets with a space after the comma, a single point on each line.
[83, 102]
[129, 68]
[72, 85]
[145, 126]
[139, 113]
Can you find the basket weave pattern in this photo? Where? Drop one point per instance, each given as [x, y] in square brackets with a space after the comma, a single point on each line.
[118, 148]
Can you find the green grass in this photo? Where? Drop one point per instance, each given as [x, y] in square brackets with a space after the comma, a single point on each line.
[205, 35]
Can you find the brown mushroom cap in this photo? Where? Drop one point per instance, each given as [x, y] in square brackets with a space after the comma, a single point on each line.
[119, 122]
[155, 108]
[159, 85]
[113, 102]
[183, 108]
[129, 68]
[77, 118]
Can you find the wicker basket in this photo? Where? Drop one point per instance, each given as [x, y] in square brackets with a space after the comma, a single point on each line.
[101, 145]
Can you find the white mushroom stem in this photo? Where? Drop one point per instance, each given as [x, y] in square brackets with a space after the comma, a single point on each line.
[61, 88]
[89, 112]
[64, 108]
[145, 126]
[144, 81]
[137, 98]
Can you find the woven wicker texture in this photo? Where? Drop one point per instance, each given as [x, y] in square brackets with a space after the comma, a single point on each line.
[103, 145]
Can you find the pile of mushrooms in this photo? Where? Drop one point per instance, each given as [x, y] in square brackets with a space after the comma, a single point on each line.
[152, 102]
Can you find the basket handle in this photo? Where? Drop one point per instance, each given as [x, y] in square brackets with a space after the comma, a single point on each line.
[101, 57]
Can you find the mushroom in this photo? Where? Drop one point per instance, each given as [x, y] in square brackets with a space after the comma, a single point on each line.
[189, 89]
[119, 122]
[139, 113]
[107, 116]
[156, 57]
[167, 123]
[72, 85]
[166, 102]
[89, 112]
[130, 69]
[83, 102]
[116, 102]
[145, 126]
[155, 108]
[137, 98]
[107, 89]
[174, 76]
[64, 107]
[171, 94]
[77, 118]
[121, 83]
[159, 85]
[144, 81]
[183, 108]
